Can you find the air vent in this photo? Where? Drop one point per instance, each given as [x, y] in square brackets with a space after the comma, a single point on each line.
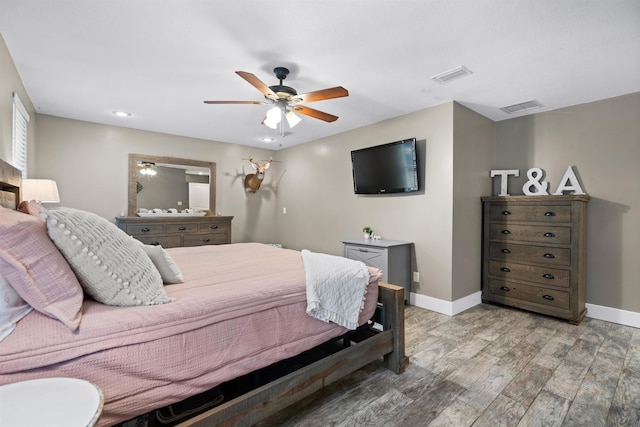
[524, 106]
[452, 74]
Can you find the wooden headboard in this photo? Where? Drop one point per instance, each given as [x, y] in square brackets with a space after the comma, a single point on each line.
[10, 180]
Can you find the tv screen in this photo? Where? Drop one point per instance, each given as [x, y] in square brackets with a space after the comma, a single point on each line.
[387, 168]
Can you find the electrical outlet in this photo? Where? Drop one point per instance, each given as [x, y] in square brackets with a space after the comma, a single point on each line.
[416, 276]
[284, 211]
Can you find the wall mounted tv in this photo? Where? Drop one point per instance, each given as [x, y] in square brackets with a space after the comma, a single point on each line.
[386, 168]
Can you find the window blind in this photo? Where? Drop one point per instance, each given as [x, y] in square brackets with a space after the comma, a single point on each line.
[20, 134]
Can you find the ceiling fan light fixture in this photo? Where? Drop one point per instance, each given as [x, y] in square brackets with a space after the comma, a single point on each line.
[273, 117]
[292, 119]
[148, 168]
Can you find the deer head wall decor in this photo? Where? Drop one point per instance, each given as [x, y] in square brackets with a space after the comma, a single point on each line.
[252, 181]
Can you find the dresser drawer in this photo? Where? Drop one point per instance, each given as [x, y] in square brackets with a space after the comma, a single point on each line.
[181, 228]
[531, 213]
[545, 275]
[207, 227]
[531, 233]
[534, 294]
[204, 239]
[530, 254]
[373, 257]
[144, 229]
[164, 241]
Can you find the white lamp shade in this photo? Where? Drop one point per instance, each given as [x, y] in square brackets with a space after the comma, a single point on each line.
[274, 116]
[41, 190]
[292, 119]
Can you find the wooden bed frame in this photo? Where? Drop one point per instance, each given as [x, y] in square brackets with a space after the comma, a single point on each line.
[272, 397]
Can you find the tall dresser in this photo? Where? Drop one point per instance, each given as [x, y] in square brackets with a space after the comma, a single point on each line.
[171, 232]
[534, 253]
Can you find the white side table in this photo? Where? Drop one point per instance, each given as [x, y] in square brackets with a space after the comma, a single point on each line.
[53, 402]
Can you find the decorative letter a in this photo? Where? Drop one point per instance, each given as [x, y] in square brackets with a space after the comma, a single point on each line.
[564, 183]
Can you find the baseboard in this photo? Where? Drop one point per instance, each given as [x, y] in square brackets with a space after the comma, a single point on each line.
[600, 312]
[450, 308]
[615, 315]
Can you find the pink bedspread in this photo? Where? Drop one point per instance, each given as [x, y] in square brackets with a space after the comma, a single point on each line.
[242, 307]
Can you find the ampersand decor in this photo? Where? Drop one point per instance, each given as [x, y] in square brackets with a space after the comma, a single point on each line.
[540, 188]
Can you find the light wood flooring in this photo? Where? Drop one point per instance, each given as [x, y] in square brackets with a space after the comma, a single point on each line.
[490, 366]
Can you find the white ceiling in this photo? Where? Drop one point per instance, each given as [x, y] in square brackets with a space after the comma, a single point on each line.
[160, 59]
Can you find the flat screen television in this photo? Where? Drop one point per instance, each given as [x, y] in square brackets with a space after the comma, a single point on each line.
[386, 168]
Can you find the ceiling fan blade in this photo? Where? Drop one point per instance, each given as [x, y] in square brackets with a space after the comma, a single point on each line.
[234, 102]
[319, 95]
[314, 113]
[257, 83]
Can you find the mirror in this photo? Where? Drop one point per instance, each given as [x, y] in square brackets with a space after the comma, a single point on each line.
[170, 185]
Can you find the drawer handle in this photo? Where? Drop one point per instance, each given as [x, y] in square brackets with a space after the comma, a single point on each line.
[213, 227]
[548, 297]
[182, 228]
[145, 230]
[504, 288]
[505, 251]
[548, 276]
[549, 256]
[549, 235]
[155, 243]
[363, 250]
[505, 269]
[549, 214]
[206, 240]
[506, 213]
[506, 232]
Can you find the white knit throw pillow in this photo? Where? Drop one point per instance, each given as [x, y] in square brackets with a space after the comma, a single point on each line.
[110, 266]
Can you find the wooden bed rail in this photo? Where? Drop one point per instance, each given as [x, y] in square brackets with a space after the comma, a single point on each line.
[275, 396]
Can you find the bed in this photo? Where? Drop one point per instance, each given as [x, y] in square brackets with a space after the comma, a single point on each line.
[236, 308]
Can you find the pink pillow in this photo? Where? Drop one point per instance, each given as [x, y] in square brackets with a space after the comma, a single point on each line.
[31, 207]
[35, 268]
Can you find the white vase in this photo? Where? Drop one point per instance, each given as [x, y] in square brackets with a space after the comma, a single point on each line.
[367, 236]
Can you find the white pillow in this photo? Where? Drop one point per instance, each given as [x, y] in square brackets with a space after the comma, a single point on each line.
[109, 265]
[12, 308]
[164, 263]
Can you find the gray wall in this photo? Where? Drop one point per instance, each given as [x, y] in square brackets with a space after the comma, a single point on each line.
[89, 162]
[473, 157]
[601, 140]
[317, 192]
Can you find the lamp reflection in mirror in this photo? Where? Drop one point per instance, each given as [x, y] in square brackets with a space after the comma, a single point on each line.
[40, 190]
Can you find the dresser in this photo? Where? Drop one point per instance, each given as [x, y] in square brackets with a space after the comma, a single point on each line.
[393, 257]
[180, 231]
[534, 253]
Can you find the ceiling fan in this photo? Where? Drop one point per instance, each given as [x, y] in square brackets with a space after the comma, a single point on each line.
[287, 101]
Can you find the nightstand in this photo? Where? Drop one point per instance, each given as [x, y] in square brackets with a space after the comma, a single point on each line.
[393, 257]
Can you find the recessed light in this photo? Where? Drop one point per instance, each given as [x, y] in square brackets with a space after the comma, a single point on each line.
[120, 113]
[267, 139]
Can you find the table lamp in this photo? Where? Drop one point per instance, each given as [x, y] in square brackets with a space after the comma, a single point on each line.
[40, 190]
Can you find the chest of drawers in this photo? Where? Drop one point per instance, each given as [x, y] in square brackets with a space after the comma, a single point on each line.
[534, 253]
[181, 231]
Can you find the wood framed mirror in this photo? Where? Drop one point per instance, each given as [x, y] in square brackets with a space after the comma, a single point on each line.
[187, 166]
